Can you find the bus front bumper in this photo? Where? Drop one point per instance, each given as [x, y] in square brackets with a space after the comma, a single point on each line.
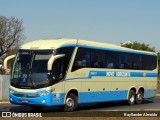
[45, 100]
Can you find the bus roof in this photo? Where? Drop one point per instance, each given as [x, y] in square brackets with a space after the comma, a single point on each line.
[48, 44]
[59, 43]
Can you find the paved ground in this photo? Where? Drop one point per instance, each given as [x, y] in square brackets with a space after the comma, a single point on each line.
[87, 109]
[148, 104]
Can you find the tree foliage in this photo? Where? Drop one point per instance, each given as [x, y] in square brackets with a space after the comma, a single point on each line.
[159, 66]
[11, 34]
[139, 46]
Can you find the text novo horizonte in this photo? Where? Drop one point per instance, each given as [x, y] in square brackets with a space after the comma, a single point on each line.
[118, 74]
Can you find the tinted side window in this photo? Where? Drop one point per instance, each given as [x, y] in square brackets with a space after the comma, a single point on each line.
[98, 59]
[112, 60]
[93, 58]
[82, 59]
[124, 61]
[68, 51]
[149, 62]
[134, 61]
[137, 61]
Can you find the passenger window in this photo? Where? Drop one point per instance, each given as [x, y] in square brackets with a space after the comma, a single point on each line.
[82, 59]
[112, 60]
[94, 58]
[98, 59]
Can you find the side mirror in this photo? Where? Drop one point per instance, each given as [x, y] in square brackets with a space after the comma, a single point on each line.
[6, 60]
[52, 59]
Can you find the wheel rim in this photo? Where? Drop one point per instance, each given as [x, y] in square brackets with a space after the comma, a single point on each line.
[139, 97]
[70, 102]
[132, 99]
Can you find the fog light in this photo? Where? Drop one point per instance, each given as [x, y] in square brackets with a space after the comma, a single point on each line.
[43, 101]
[11, 99]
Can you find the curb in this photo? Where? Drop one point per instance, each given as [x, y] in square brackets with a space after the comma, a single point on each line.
[158, 95]
[4, 102]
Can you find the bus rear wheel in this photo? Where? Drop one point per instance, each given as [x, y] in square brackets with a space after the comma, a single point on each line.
[139, 97]
[71, 103]
[131, 97]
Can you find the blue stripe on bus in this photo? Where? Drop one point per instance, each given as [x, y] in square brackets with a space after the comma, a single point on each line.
[150, 93]
[121, 74]
[110, 49]
[102, 96]
[68, 45]
[116, 74]
[106, 96]
[50, 100]
[84, 97]
[78, 78]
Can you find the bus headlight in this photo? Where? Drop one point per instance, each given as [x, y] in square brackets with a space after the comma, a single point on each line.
[43, 93]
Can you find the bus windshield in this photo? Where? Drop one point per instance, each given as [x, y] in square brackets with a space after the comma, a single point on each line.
[30, 69]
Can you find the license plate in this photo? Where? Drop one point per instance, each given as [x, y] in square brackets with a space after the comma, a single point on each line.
[24, 101]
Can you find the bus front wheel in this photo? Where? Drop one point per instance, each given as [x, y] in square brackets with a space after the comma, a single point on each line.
[70, 103]
[131, 97]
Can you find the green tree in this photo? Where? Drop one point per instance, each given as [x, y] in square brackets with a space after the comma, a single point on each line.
[138, 46]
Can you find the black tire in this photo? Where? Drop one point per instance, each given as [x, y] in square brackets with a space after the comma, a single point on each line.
[139, 97]
[71, 103]
[131, 97]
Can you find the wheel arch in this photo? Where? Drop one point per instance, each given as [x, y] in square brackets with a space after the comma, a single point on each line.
[131, 88]
[72, 90]
[141, 88]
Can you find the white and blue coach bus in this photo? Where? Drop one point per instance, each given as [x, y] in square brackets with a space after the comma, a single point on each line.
[66, 72]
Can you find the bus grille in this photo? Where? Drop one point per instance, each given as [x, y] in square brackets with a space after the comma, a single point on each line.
[26, 95]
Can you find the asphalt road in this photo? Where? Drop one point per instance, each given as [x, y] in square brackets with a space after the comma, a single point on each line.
[147, 105]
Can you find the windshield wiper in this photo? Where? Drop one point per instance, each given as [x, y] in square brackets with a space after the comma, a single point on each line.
[32, 81]
[30, 68]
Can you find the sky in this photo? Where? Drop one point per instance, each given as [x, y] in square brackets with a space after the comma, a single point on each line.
[109, 21]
